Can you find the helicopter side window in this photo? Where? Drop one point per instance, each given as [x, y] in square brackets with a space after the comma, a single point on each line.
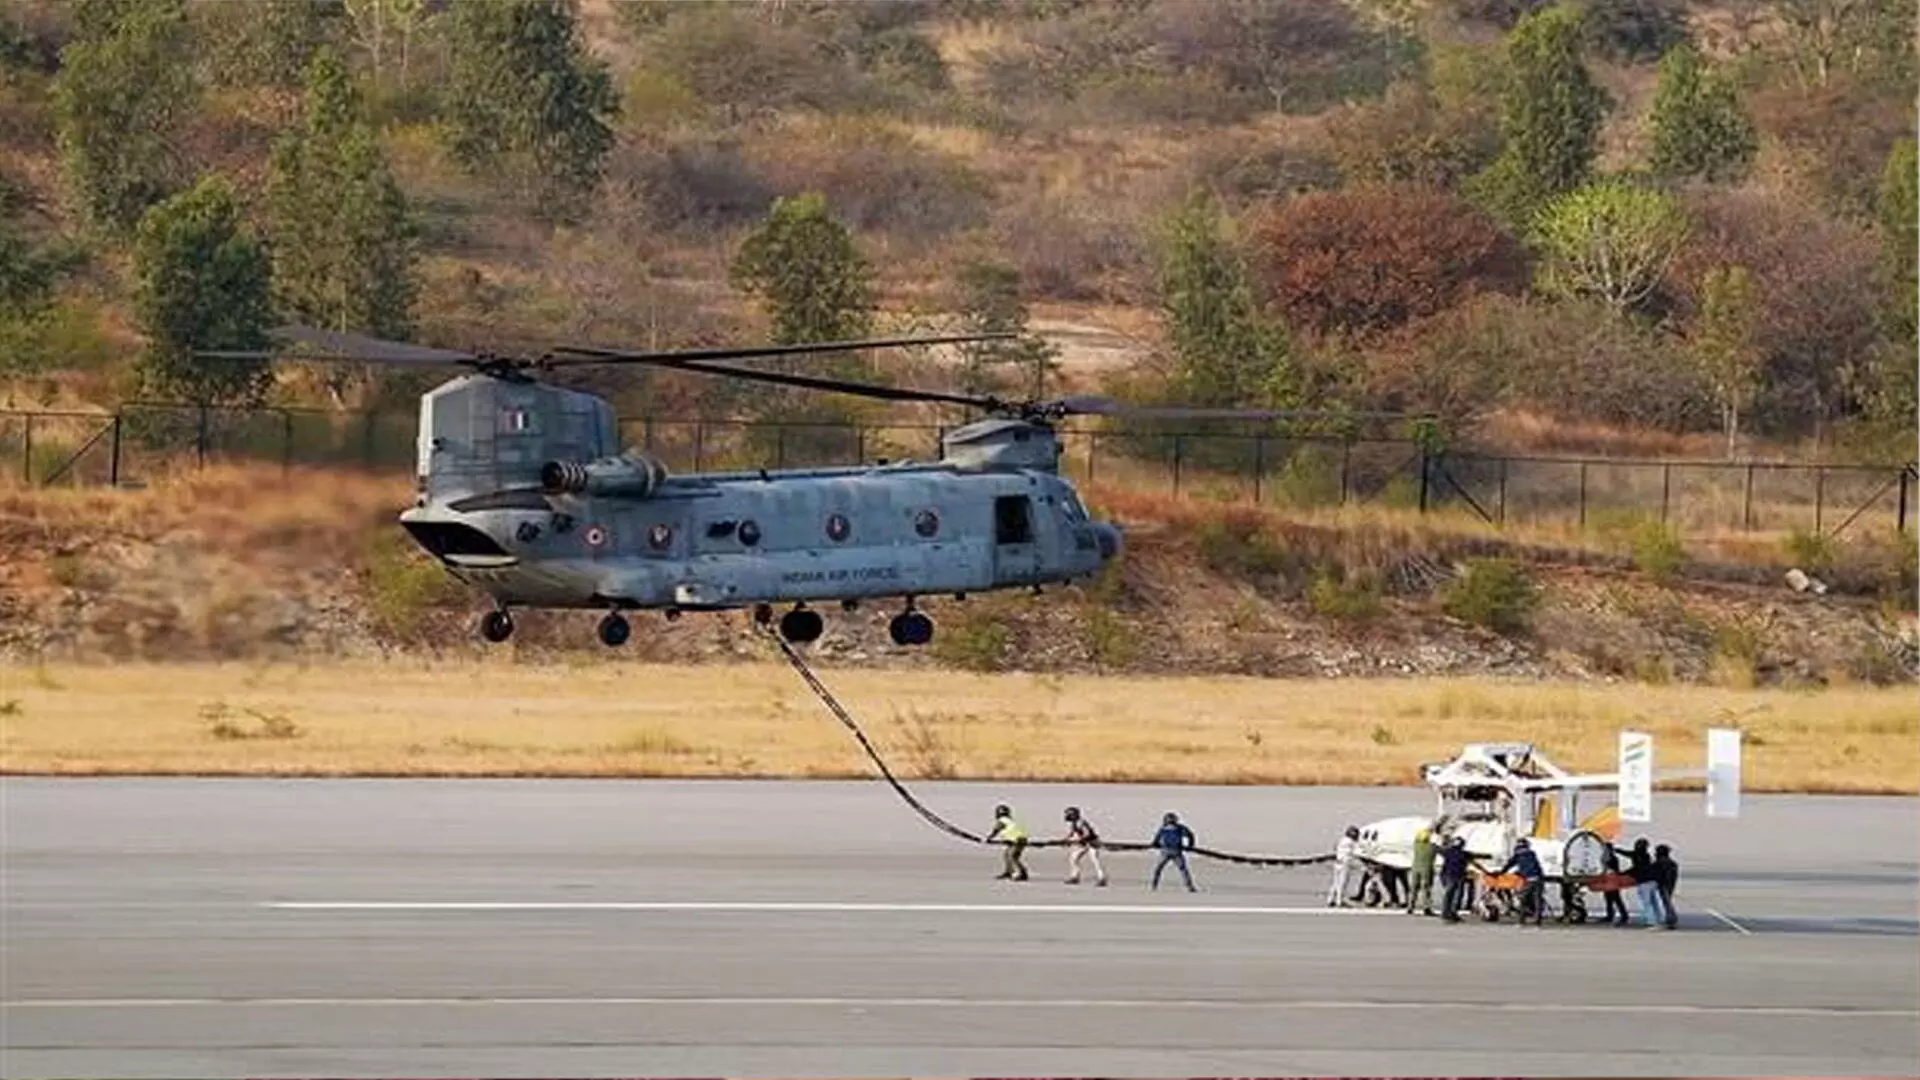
[1012, 520]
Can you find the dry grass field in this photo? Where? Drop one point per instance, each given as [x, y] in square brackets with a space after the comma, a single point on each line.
[500, 718]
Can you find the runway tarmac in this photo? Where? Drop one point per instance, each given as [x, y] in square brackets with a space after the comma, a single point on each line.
[496, 928]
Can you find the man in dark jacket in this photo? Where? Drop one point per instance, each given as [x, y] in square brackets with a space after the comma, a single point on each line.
[1616, 907]
[1173, 841]
[1453, 877]
[1666, 878]
[1525, 863]
[1640, 869]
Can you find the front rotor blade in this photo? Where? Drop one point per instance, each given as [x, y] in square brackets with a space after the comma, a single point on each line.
[590, 354]
[838, 386]
[349, 346]
[1102, 406]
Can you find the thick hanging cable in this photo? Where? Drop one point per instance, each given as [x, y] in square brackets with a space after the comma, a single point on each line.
[799, 665]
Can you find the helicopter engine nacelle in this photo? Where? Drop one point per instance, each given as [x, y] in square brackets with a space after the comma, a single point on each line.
[634, 476]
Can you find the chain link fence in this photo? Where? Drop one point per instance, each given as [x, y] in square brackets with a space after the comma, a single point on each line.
[141, 443]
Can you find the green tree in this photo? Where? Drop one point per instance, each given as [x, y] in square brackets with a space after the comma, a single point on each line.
[29, 272]
[987, 295]
[814, 285]
[1700, 127]
[202, 282]
[342, 241]
[266, 42]
[522, 94]
[1610, 240]
[123, 90]
[811, 278]
[1723, 344]
[1227, 352]
[1551, 111]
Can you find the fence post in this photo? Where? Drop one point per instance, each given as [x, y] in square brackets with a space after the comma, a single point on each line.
[1746, 502]
[1259, 464]
[200, 439]
[1179, 452]
[1583, 495]
[286, 441]
[1905, 475]
[113, 456]
[699, 444]
[1666, 489]
[26, 454]
[1819, 497]
[1093, 454]
[1503, 489]
[780, 446]
[366, 441]
[859, 444]
[1424, 470]
[1346, 461]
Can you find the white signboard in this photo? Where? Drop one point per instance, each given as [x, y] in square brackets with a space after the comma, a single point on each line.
[1636, 776]
[1723, 772]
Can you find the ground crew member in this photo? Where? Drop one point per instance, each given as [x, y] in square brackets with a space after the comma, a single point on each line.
[1666, 878]
[1524, 862]
[1007, 830]
[1453, 877]
[1082, 843]
[1173, 841]
[1640, 869]
[1420, 875]
[1616, 907]
[1343, 856]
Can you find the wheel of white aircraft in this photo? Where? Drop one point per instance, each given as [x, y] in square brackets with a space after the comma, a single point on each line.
[801, 626]
[615, 630]
[496, 626]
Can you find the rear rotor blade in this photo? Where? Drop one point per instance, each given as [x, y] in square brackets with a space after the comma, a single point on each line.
[349, 346]
[1093, 405]
[838, 386]
[572, 355]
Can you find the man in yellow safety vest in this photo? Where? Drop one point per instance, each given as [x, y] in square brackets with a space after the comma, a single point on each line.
[1009, 832]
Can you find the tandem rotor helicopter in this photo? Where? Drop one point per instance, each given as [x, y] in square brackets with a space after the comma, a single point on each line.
[524, 491]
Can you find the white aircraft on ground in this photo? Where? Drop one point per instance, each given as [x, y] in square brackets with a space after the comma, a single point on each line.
[1493, 794]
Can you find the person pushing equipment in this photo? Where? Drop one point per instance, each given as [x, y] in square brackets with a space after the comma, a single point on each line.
[1082, 843]
[1173, 841]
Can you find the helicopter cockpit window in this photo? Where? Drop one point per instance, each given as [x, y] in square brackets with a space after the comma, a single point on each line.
[926, 523]
[1076, 510]
[719, 530]
[749, 532]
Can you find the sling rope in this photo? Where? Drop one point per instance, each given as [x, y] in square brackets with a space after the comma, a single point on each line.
[839, 711]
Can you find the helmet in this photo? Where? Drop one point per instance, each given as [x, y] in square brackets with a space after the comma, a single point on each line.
[1002, 811]
[1170, 818]
[1353, 832]
[1073, 813]
[1521, 844]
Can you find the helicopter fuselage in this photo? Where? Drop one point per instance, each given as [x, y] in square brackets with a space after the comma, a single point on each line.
[720, 541]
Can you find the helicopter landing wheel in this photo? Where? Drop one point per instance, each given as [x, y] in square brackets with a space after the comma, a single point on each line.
[496, 626]
[801, 626]
[614, 630]
[910, 628]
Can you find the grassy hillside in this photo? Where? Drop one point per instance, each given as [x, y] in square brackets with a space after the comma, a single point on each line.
[1057, 136]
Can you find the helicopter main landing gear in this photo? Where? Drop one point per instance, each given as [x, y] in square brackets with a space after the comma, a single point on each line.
[614, 630]
[496, 626]
[910, 627]
[801, 626]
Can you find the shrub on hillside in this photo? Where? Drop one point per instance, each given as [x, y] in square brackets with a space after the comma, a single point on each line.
[1366, 261]
[1835, 138]
[699, 182]
[876, 179]
[1497, 594]
[1411, 137]
[1074, 246]
[1657, 550]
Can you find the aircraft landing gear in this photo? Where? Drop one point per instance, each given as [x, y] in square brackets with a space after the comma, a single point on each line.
[496, 626]
[801, 626]
[614, 630]
[910, 628]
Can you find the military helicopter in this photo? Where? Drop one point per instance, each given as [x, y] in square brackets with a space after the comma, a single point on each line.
[524, 492]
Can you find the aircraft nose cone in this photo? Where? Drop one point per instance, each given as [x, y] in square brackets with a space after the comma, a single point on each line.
[1108, 537]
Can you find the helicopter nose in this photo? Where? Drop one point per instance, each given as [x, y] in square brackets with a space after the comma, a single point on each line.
[1107, 535]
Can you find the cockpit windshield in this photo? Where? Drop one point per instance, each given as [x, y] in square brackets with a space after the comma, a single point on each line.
[1069, 499]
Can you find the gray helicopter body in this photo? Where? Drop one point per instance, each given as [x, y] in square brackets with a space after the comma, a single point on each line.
[525, 493]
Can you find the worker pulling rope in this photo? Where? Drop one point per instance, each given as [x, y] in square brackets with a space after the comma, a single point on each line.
[847, 721]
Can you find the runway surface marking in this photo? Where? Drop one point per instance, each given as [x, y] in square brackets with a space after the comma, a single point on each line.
[805, 906]
[966, 1003]
[1716, 914]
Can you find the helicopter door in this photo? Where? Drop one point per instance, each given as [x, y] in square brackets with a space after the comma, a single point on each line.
[1015, 555]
